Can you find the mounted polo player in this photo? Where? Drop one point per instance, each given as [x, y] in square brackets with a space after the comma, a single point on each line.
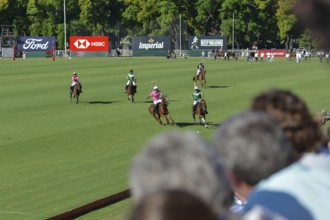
[75, 87]
[199, 107]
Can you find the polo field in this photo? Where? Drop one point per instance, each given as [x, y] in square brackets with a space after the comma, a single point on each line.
[58, 155]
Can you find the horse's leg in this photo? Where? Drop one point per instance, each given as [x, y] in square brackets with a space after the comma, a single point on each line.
[132, 97]
[159, 120]
[194, 118]
[203, 119]
[167, 121]
[70, 96]
[77, 99]
[151, 111]
[170, 117]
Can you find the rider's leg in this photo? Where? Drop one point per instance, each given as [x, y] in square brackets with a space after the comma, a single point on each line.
[126, 86]
[135, 87]
[194, 109]
[156, 108]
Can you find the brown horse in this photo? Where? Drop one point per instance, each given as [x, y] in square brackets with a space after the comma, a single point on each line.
[131, 90]
[75, 92]
[201, 77]
[162, 111]
[201, 112]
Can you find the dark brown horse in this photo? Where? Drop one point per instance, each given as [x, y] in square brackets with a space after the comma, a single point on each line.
[162, 111]
[201, 112]
[201, 77]
[75, 92]
[131, 90]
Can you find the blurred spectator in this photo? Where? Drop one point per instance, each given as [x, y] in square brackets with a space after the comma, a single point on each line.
[253, 147]
[181, 161]
[294, 117]
[300, 191]
[172, 205]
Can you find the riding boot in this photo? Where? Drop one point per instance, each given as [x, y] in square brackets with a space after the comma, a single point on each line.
[135, 88]
[155, 109]
[206, 112]
[194, 109]
[126, 88]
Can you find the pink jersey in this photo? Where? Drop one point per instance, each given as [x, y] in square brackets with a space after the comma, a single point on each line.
[155, 95]
[74, 79]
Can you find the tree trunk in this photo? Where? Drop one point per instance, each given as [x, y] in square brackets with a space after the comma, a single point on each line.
[287, 43]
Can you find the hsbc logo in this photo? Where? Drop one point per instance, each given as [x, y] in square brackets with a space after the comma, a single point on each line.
[88, 43]
[82, 44]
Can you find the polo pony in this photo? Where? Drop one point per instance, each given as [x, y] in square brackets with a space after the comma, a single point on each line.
[201, 112]
[162, 111]
[75, 92]
[200, 77]
[131, 90]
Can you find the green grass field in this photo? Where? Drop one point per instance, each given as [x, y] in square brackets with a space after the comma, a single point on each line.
[57, 155]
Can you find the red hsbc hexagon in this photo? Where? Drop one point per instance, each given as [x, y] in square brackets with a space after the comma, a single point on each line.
[89, 43]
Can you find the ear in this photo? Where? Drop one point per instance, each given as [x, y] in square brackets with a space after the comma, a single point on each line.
[240, 187]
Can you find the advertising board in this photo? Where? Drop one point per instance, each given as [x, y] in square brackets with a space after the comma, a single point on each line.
[277, 52]
[151, 43]
[89, 43]
[35, 43]
[207, 42]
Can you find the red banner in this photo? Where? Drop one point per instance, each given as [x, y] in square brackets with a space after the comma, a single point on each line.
[88, 43]
[277, 52]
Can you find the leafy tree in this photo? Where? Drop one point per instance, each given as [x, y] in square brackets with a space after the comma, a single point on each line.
[309, 40]
[267, 23]
[207, 21]
[255, 22]
[4, 4]
[154, 17]
[287, 22]
[100, 16]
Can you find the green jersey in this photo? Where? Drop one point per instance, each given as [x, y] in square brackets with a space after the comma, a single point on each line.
[197, 95]
[131, 77]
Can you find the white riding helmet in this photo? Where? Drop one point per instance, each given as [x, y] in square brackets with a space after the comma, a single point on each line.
[155, 87]
[196, 87]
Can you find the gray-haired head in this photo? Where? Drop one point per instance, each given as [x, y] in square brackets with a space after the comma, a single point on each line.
[253, 146]
[181, 161]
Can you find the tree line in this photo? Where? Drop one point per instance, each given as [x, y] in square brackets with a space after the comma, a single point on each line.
[263, 23]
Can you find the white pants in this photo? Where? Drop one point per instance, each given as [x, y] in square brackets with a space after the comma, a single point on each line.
[158, 101]
[196, 101]
[198, 71]
[132, 82]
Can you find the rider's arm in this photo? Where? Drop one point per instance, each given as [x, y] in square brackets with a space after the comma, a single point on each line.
[148, 96]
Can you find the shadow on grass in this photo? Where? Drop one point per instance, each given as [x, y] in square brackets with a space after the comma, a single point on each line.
[102, 102]
[188, 124]
[217, 87]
